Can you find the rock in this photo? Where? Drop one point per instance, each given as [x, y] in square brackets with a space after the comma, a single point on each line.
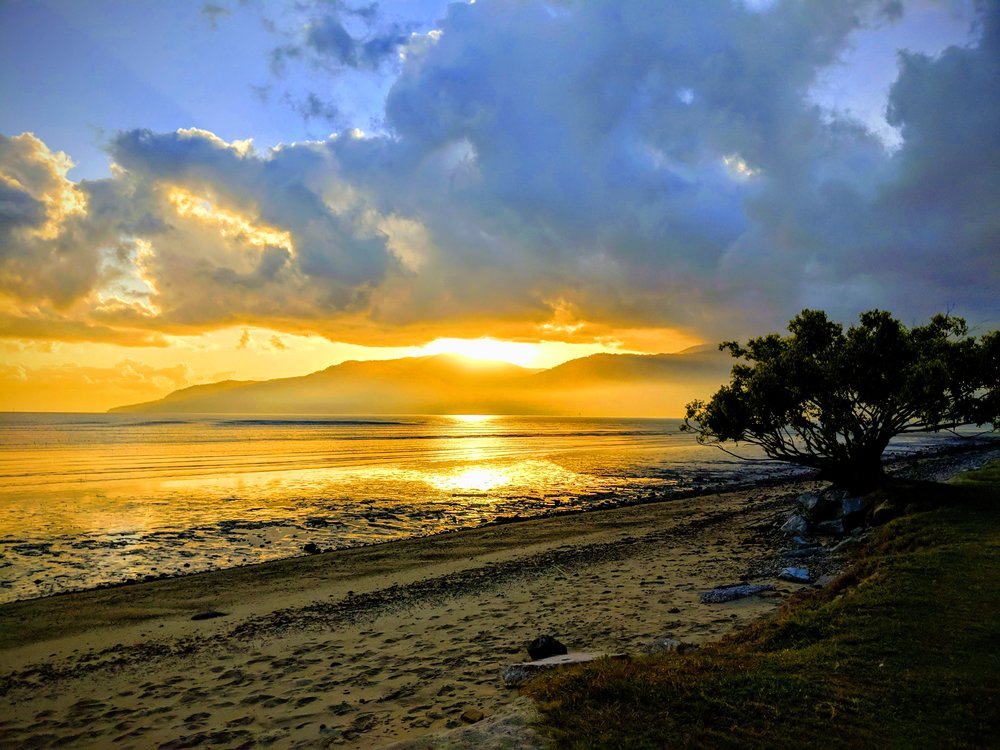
[311, 547]
[795, 575]
[545, 646]
[472, 715]
[795, 524]
[665, 644]
[730, 593]
[517, 674]
[662, 645]
[808, 500]
[819, 506]
[852, 511]
[883, 513]
[209, 615]
[831, 528]
[824, 581]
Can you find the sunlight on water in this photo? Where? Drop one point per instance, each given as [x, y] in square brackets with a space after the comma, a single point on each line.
[92, 499]
[471, 480]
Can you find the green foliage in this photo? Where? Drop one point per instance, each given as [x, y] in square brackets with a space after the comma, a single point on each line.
[900, 652]
[832, 399]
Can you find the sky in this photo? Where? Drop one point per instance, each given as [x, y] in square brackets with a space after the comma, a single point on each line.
[194, 191]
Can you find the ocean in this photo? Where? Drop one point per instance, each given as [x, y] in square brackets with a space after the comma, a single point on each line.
[93, 499]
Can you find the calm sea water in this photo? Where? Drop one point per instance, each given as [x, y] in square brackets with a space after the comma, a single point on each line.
[91, 499]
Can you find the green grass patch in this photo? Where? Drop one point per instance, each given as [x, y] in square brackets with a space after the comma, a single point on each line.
[901, 652]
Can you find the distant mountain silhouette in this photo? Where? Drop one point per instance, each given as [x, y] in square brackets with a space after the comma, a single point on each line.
[599, 385]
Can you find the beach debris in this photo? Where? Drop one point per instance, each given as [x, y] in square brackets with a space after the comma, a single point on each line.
[312, 548]
[517, 674]
[731, 593]
[208, 615]
[665, 644]
[795, 575]
[545, 646]
[472, 715]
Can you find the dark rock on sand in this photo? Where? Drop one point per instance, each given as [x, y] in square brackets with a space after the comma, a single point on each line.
[731, 593]
[311, 547]
[795, 524]
[795, 575]
[819, 506]
[209, 615]
[545, 646]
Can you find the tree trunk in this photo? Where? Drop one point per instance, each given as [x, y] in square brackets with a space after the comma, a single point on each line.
[860, 474]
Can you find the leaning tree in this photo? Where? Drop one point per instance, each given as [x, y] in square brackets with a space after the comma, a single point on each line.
[831, 399]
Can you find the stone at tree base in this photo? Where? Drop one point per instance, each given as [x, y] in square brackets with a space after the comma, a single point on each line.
[852, 511]
[795, 575]
[517, 674]
[545, 646]
[831, 528]
[731, 593]
[795, 524]
[820, 506]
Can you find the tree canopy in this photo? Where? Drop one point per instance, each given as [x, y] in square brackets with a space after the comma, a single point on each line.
[831, 399]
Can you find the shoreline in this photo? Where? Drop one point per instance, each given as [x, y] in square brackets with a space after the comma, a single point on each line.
[364, 646]
[607, 501]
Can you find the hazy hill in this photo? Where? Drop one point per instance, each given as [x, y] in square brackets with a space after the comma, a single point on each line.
[602, 384]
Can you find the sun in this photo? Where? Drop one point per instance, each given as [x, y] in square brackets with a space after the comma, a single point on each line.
[517, 353]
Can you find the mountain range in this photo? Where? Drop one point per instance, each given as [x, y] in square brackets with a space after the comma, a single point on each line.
[598, 385]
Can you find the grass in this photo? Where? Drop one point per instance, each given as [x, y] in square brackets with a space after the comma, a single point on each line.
[901, 652]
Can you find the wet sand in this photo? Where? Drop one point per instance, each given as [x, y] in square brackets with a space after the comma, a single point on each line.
[361, 647]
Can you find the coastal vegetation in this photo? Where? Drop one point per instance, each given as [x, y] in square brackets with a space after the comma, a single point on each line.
[898, 652]
[831, 399]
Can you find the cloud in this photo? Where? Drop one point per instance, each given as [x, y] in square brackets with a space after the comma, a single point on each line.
[374, 41]
[549, 170]
[85, 388]
[212, 13]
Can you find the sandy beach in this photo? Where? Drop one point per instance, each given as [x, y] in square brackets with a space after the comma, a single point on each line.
[363, 647]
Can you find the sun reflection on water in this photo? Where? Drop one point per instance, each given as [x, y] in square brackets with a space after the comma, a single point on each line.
[478, 479]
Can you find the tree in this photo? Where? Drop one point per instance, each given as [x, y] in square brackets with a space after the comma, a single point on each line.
[832, 400]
